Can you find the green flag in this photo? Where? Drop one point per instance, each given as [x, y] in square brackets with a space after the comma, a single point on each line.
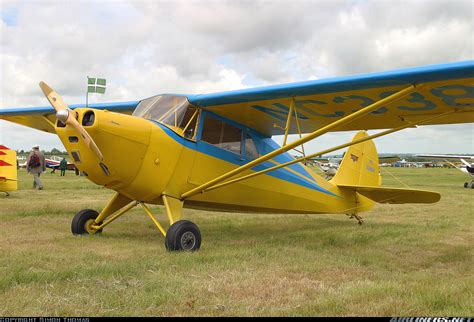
[96, 85]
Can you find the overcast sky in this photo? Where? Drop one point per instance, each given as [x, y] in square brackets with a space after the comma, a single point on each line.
[144, 48]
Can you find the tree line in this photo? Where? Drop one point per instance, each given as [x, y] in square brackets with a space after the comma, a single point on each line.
[53, 151]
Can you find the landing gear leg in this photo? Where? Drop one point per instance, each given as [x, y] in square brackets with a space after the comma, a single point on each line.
[356, 216]
[89, 221]
[182, 235]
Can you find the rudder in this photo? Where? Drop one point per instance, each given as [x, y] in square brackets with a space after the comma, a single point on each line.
[360, 164]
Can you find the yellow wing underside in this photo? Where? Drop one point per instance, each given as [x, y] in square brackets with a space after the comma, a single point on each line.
[40, 122]
[316, 111]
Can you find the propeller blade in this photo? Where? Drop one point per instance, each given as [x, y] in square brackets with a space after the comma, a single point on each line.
[69, 117]
[54, 99]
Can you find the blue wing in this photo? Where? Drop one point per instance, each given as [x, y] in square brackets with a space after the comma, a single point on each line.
[443, 88]
[43, 117]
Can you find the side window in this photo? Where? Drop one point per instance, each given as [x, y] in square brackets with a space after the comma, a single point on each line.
[211, 130]
[250, 148]
[188, 123]
[232, 138]
[222, 135]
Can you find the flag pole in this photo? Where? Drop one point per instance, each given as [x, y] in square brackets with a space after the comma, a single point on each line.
[87, 92]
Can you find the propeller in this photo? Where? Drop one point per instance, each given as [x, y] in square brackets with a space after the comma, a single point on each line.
[67, 116]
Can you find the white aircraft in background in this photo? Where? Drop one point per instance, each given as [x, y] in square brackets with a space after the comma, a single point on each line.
[467, 167]
[52, 162]
[330, 165]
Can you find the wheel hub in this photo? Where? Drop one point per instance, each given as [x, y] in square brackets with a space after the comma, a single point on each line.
[188, 240]
[89, 228]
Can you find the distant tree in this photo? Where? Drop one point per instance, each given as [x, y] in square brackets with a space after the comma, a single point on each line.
[55, 151]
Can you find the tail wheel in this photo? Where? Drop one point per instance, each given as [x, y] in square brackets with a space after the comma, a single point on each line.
[83, 221]
[183, 235]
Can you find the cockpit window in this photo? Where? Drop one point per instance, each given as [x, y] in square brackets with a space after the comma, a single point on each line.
[222, 135]
[171, 110]
[189, 122]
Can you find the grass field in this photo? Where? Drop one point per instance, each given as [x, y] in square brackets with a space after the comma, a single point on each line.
[409, 260]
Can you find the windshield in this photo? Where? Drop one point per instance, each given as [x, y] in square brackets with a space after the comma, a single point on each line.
[173, 111]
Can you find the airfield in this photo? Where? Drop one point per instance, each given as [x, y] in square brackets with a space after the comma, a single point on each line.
[405, 260]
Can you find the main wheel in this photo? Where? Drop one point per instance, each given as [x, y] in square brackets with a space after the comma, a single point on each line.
[466, 184]
[472, 185]
[183, 235]
[83, 221]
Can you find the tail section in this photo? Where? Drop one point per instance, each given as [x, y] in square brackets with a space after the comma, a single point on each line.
[360, 165]
[359, 173]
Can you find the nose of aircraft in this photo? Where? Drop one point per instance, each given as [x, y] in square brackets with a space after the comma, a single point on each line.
[123, 140]
[65, 115]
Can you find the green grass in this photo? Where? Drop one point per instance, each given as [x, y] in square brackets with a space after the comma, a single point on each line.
[405, 260]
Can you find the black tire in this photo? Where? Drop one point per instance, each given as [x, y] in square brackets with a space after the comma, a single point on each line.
[80, 221]
[183, 235]
[472, 185]
[466, 184]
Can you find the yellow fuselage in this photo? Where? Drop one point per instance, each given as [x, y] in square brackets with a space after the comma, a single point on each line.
[144, 160]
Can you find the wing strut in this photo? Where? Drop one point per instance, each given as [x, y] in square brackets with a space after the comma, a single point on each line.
[347, 119]
[292, 110]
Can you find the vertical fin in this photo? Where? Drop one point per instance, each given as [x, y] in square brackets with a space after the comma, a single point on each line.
[359, 167]
[360, 164]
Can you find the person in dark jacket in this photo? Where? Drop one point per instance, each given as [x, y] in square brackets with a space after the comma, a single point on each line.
[63, 167]
[36, 165]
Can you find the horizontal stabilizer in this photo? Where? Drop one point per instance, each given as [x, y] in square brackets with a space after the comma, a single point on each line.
[395, 195]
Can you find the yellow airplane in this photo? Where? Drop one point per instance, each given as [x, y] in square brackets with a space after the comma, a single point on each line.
[215, 152]
[8, 170]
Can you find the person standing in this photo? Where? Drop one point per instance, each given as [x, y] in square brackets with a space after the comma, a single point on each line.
[35, 164]
[63, 167]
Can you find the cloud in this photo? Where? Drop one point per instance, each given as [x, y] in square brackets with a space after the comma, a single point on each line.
[144, 48]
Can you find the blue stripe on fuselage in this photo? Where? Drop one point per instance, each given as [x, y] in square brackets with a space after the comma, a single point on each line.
[264, 145]
[230, 157]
